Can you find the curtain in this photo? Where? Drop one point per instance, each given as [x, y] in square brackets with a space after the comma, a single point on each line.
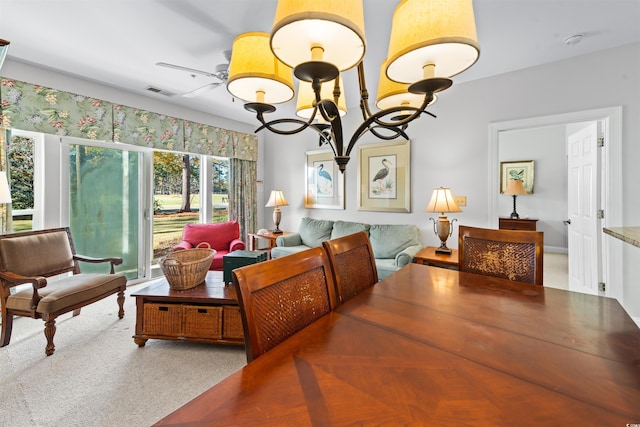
[243, 204]
[5, 209]
[37, 108]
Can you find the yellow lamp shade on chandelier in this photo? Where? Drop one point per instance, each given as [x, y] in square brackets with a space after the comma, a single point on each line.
[255, 75]
[442, 201]
[430, 41]
[393, 94]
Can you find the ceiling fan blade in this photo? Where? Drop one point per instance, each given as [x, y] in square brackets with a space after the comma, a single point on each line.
[187, 69]
[201, 90]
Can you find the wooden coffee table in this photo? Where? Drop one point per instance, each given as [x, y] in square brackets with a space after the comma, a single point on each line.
[207, 313]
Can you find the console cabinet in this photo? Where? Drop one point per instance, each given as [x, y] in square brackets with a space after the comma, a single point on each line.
[527, 224]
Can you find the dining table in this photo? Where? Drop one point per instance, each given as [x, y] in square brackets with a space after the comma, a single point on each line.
[439, 347]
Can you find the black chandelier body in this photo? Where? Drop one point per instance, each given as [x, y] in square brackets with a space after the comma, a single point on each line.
[331, 131]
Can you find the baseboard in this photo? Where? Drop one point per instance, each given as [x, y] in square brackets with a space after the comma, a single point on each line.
[556, 250]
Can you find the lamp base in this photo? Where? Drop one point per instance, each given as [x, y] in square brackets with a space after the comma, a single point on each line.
[443, 250]
[276, 231]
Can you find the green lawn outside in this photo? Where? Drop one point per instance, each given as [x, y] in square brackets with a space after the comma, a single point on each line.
[167, 227]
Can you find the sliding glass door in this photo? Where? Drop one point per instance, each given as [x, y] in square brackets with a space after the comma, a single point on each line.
[104, 205]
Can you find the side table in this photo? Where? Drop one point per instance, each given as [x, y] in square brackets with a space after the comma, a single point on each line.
[269, 237]
[428, 256]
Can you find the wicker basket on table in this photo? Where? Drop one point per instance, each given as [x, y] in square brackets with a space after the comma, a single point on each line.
[188, 268]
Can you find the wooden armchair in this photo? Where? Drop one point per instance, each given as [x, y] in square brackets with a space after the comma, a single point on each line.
[352, 263]
[34, 256]
[509, 254]
[279, 297]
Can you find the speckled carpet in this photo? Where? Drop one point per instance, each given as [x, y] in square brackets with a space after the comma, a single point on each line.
[98, 376]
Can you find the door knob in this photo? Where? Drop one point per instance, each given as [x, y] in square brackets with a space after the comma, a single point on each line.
[567, 222]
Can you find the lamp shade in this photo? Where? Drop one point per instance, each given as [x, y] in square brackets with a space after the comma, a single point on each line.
[431, 38]
[276, 199]
[306, 97]
[442, 201]
[5, 192]
[334, 26]
[4, 47]
[255, 75]
[393, 94]
[514, 188]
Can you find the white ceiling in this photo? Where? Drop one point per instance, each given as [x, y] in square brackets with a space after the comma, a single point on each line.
[118, 42]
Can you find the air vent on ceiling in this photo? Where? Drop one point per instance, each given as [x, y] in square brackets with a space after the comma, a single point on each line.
[160, 91]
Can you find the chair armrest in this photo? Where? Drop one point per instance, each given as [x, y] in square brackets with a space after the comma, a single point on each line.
[236, 245]
[181, 246]
[16, 279]
[37, 282]
[292, 239]
[113, 260]
[405, 256]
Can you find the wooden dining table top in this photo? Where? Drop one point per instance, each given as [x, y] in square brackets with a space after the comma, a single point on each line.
[432, 346]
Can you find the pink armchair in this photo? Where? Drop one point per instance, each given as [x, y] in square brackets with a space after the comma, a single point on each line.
[224, 237]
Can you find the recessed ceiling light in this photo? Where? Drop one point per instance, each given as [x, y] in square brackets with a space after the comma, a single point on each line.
[574, 39]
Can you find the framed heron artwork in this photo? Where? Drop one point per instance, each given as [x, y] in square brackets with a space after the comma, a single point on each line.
[519, 170]
[384, 177]
[324, 184]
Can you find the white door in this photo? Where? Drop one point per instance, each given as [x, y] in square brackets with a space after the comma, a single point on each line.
[584, 203]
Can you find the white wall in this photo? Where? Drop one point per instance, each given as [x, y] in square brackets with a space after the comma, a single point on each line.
[548, 203]
[452, 150]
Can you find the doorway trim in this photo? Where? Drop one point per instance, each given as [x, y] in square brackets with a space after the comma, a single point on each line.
[612, 157]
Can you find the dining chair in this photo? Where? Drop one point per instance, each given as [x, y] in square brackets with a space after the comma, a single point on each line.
[281, 296]
[352, 264]
[509, 254]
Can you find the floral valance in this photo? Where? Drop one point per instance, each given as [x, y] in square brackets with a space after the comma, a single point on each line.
[36, 108]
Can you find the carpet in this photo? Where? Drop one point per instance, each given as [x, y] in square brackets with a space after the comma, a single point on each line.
[98, 376]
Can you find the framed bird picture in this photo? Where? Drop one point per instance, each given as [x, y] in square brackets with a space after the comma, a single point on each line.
[520, 170]
[384, 177]
[324, 184]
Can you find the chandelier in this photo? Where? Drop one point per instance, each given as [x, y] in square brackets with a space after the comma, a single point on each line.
[316, 40]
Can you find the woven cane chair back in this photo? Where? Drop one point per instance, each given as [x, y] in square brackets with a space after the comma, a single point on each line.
[281, 296]
[352, 263]
[508, 254]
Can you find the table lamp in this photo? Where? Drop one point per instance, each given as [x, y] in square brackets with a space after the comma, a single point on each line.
[515, 189]
[442, 201]
[276, 199]
[5, 198]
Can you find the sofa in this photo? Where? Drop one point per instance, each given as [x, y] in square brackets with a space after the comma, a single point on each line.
[224, 237]
[394, 246]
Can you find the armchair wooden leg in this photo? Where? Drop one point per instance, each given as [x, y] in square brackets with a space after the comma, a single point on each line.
[49, 332]
[121, 303]
[7, 326]
[76, 312]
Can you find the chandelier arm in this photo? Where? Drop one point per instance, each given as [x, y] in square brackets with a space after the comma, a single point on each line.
[366, 127]
[364, 93]
[329, 110]
[269, 126]
[397, 133]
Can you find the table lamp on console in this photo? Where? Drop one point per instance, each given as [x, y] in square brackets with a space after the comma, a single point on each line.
[515, 189]
[442, 201]
[276, 199]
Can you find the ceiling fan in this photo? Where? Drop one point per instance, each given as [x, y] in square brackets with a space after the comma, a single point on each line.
[221, 73]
